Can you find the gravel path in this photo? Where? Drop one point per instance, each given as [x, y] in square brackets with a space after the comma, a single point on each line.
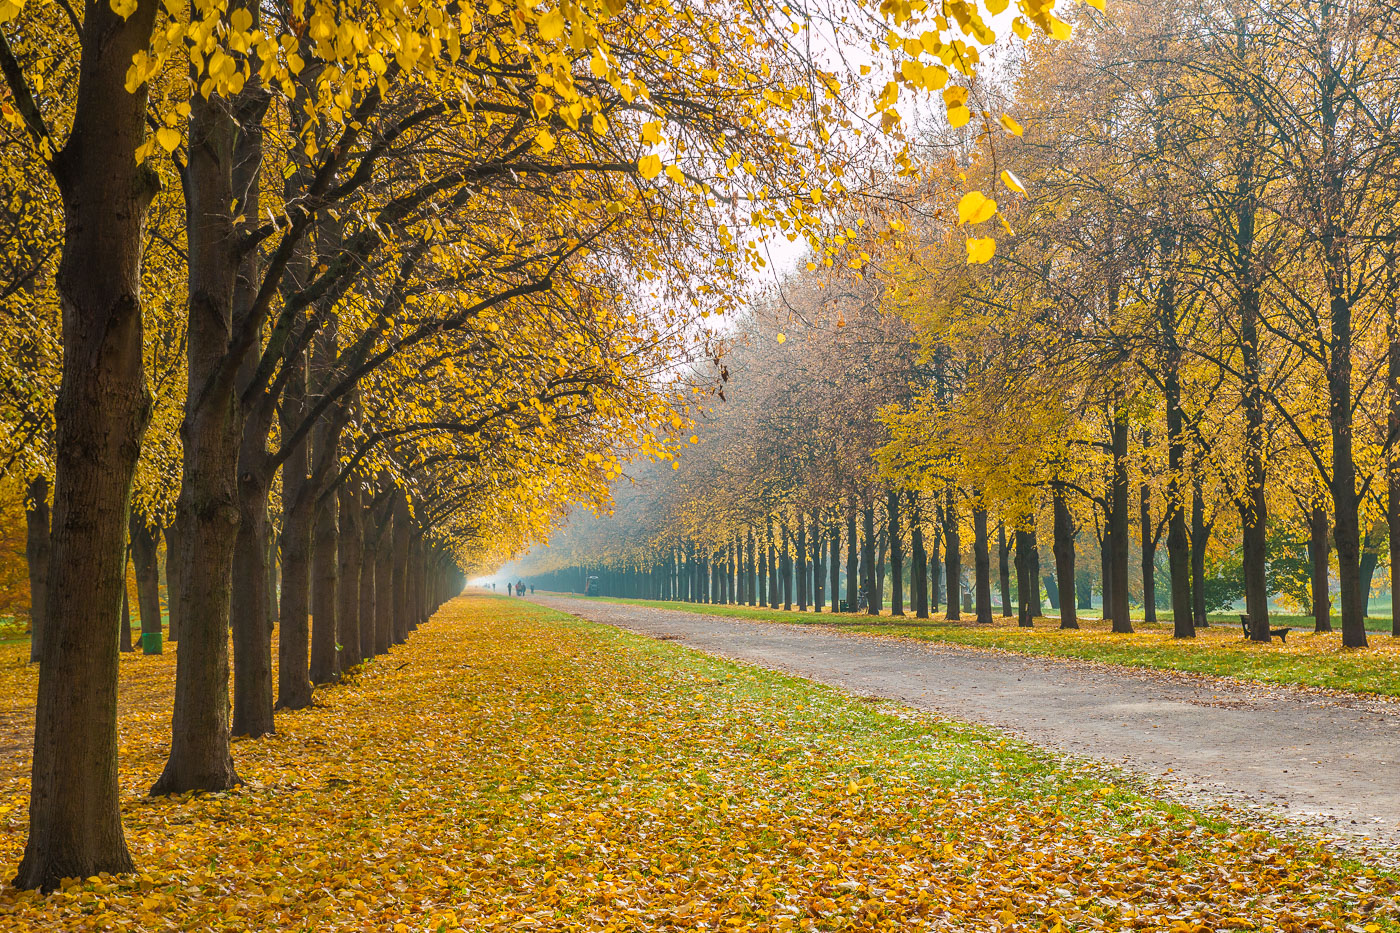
[1320, 759]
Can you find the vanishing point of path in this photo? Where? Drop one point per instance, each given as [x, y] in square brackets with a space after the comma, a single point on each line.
[1323, 759]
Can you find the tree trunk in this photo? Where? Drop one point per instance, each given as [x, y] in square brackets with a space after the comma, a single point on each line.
[1149, 555]
[36, 554]
[1026, 582]
[1318, 551]
[1118, 555]
[325, 590]
[896, 555]
[100, 417]
[125, 621]
[248, 608]
[867, 559]
[952, 558]
[294, 689]
[835, 562]
[1004, 568]
[982, 562]
[351, 553]
[403, 534]
[1370, 557]
[147, 565]
[174, 560]
[1063, 548]
[852, 560]
[919, 572]
[935, 567]
[801, 560]
[1200, 537]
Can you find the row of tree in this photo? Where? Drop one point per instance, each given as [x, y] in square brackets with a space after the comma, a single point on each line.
[1186, 341]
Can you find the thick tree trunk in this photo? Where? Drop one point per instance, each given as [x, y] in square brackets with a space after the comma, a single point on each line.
[982, 563]
[36, 555]
[100, 417]
[1318, 551]
[351, 554]
[1370, 557]
[1004, 568]
[952, 558]
[935, 566]
[147, 565]
[896, 555]
[881, 549]
[384, 576]
[1063, 548]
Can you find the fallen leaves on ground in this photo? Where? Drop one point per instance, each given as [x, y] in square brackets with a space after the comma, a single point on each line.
[513, 769]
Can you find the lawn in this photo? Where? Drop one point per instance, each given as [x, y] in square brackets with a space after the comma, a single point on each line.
[1306, 659]
[515, 768]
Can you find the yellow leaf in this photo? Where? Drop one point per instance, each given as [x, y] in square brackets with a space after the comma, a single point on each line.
[168, 138]
[1010, 125]
[600, 124]
[551, 25]
[649, 166]
[542, 103]
[782, 338]
[975, 207]
[980, 249]
[1096, 4]
[1012, 182]
[545, 141]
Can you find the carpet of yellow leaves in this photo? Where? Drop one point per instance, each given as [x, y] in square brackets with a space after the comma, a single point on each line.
[512, 768]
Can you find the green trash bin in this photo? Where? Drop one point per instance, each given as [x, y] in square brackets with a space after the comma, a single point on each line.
[152, 642]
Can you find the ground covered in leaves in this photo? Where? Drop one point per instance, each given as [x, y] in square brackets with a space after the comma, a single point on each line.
[1305, 659]
[514, 768]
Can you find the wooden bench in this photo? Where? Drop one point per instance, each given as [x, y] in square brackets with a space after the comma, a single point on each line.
[1280, 633]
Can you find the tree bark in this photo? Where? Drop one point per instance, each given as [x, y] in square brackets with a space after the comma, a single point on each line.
[248, 607]
[1200, 537]
[294, 689]
[147, 565]
[403, 534]
[100, 417]
[174, 560]
[351, 554]
[852, 559]
[36, 554]
[982, 562]
[952, 559]
[801, 560]
[125, 621]
[1149, 554]
[867, 559]
[1026, 582]
[1004, 568]
[325, 591]
[896, 555]
[835, 561]
[919, 571]
[1318, 551]
[1063, 548]
[1118, 555]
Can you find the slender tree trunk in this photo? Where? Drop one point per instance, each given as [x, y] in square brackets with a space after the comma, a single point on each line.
[952, 558]
[835, 563]
[125, 621]
[1026, 582]
[868, 561]
[1119, 521]
[1149, 555]
[403, 534]
[896, 555]
[935, 568]
[351, 554]
[1004, 568]
[325, 590]
[251, 623]
[1200, 535]
[1318, 550]
[36, 553]
[852, 560]
[384, 573]
[1064, 558]
[818, 579]
[801, 560]
[369, 537]
[982, 562]
[147, 565]
[174, 560]
[294, 689]
[919, 572]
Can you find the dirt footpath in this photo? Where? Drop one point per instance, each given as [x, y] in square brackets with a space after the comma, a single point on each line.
[1313, 758]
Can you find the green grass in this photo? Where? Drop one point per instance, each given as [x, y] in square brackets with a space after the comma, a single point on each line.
[1218, 650]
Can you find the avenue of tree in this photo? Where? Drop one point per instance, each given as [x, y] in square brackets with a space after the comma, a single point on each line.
[1179, 365]
[333, 303]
